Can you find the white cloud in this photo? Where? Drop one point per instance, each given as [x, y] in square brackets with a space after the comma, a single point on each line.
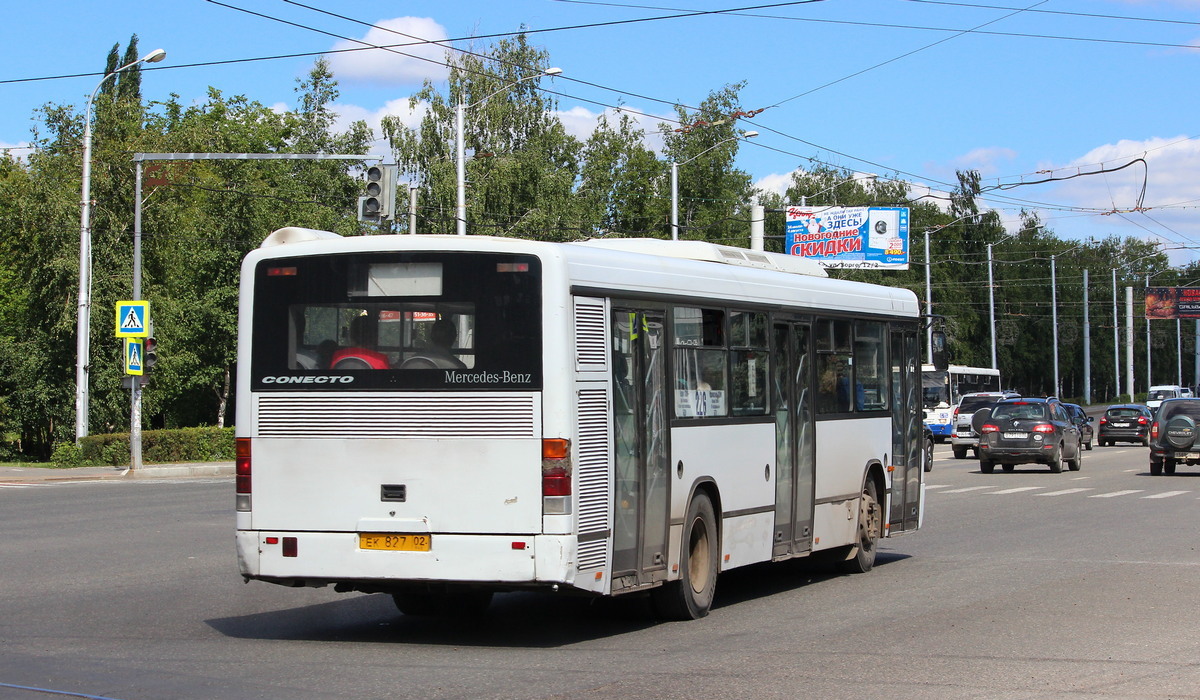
[580, 122]
[1170, 176]
[986, 160]
[347, 114]
[775, 182]
[407, 61]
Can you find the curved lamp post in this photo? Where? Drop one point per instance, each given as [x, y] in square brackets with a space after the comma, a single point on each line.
[83, 326]
[675, 178]
[461, 159]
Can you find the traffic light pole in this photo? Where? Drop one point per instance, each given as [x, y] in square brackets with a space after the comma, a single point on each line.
[135, 391]
[135, 400]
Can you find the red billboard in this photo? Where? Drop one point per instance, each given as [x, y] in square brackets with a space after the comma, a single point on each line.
[1173, 302]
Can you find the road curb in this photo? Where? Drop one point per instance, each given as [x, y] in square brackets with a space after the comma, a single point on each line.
[11, 475]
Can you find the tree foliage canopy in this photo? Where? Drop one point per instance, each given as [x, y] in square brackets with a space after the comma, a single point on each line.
[527, 176]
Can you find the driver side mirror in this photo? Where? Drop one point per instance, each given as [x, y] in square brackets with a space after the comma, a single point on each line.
[938, 345]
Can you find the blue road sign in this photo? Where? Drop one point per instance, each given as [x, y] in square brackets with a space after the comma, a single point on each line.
[133, 319]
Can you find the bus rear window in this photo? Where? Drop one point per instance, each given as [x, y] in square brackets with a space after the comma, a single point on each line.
[398, 320]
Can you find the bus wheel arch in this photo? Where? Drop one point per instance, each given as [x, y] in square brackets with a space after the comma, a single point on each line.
[691, 595]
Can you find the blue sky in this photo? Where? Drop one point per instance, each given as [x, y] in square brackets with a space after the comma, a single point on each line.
[1021, 90]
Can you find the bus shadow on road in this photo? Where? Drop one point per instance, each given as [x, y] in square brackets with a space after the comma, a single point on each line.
[519, 619]
[516, 620]
[768, 579]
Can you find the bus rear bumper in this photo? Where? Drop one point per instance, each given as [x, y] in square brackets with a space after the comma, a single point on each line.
[322, 558]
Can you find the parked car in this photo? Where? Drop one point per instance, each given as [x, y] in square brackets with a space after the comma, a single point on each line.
[1155, 395]
[1127, 422]
[1023, 431]
[1173, 435]
[1082, 421]
[964, 436]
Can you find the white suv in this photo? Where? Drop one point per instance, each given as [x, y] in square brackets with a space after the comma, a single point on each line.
[964, 436]
[1157, 394]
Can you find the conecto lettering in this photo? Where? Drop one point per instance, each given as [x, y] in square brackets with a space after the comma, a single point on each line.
[309, 379]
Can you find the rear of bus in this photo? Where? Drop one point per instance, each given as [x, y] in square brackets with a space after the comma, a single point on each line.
[390, 419]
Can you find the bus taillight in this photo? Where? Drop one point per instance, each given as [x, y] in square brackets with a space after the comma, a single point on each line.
[242, 474]
[556, 476]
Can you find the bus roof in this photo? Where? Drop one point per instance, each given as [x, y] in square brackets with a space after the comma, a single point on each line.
[653, 267]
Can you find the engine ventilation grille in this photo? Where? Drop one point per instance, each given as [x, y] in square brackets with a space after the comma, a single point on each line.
[594, 479]
[413, 416]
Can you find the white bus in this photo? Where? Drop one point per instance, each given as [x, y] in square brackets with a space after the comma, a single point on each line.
[943, 389]
[443, 417]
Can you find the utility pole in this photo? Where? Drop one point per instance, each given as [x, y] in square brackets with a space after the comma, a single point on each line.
[1054, 315]
[1087, 345]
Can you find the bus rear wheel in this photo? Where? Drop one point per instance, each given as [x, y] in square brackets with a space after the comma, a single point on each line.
[870, 525]
[690, 597]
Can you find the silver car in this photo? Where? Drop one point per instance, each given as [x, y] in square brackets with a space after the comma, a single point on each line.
[963, 437]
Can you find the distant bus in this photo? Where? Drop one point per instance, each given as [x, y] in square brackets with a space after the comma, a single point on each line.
[440, 418]
[941, 391]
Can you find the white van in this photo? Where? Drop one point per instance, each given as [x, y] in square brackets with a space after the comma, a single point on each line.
[1156, 394]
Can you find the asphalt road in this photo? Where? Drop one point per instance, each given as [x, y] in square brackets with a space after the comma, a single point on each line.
[1020, 585]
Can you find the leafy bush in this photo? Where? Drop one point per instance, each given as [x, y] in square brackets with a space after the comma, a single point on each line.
[66, 455]
[206, 444]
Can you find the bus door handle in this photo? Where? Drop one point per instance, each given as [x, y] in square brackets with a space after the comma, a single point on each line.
[393, 492]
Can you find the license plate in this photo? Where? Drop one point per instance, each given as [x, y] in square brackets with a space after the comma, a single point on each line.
[394, 541]
[1015, 436]
[1189, 455]
[1120, 425]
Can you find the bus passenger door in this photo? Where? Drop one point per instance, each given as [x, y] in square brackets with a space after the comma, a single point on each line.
[906, 431]
[791, 371]
[641, 466]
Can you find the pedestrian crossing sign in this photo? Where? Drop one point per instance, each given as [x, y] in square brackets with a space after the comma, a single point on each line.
[134, 356]
[133, 319]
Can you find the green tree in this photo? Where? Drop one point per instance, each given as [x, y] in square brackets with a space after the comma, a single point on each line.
[617, 180]
[522, 168]
[713, 196]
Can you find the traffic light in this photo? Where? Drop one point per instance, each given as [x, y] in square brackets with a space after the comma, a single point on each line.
[380, 199]
[149, 355]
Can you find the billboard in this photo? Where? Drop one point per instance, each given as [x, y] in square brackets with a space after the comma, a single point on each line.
[874, 238]
[1173, 302]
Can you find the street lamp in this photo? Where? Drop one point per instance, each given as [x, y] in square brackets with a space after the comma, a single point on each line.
[83, 325]
[675, 179]
[461, 159]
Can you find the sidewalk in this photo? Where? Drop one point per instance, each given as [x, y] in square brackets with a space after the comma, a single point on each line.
[149, 471]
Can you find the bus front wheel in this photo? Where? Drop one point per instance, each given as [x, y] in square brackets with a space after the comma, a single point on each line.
[691, 596]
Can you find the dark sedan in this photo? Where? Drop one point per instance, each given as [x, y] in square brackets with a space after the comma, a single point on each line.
[1128, 422]
[1023, 431]
[1082, 421]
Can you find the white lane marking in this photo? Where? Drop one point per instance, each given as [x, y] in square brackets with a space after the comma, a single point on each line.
[969, 488]
[1064, 492]
[1016, 490]
[1167, 494]
[936, 486]
[1114, 494]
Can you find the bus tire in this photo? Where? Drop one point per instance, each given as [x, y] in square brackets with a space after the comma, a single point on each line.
[447, 602]
[870, 525]
[690, 597]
